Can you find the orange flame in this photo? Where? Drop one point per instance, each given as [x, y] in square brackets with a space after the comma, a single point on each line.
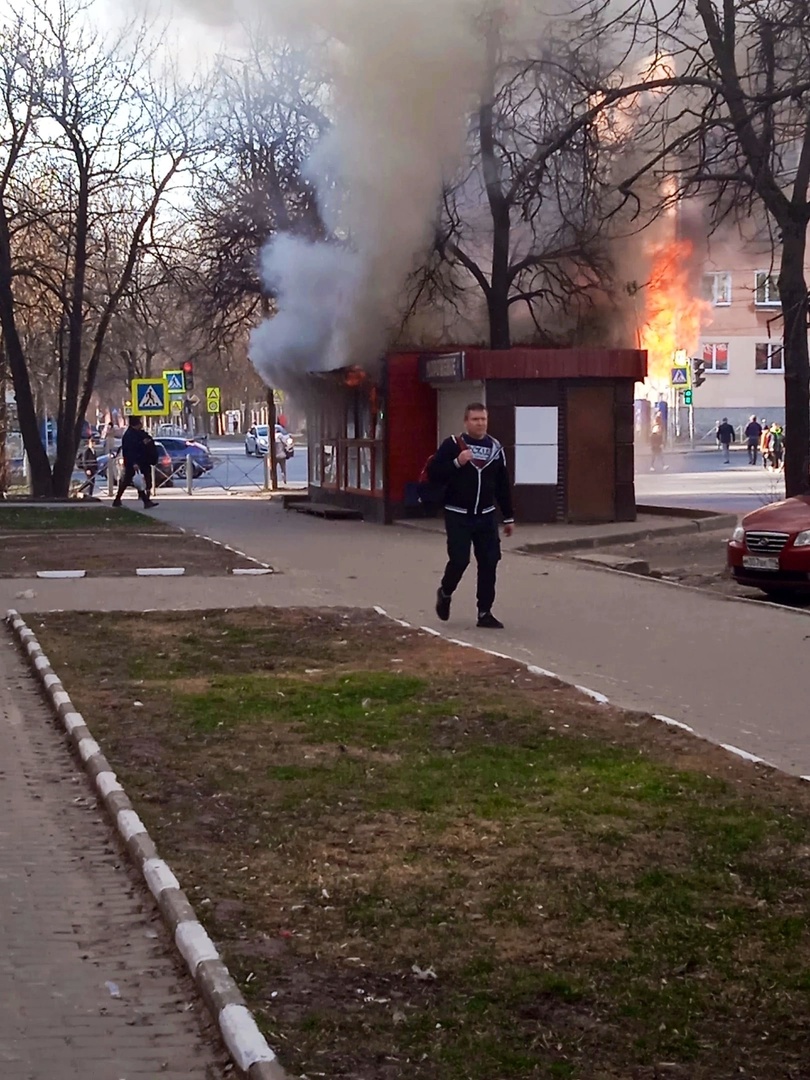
[673, 313]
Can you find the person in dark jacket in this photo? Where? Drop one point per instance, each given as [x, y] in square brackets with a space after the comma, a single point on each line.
[88, 463]
[140, 456]
[472, 468]
[753, 433]
[725, 437]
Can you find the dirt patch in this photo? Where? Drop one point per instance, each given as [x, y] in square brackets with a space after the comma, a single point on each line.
[697, 559]
[112, 552]
[419, 860]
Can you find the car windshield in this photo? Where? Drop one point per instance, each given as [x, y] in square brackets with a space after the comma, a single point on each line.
[263, 430]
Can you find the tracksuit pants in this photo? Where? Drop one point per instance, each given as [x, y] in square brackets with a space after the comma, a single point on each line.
[479, 532]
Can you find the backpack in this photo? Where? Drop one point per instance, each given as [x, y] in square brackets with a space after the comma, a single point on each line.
[775, 445]
[431, 495]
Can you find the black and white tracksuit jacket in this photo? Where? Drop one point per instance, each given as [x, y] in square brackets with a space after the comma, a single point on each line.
[480, 485]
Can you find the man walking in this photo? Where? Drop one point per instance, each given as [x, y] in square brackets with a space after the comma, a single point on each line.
[753, 433]
[472, 469]
[140, 455]
[725, 437]
[88, 463]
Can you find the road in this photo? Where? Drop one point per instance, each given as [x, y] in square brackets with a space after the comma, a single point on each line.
[697, 479]
[235, 471]
[700, 480]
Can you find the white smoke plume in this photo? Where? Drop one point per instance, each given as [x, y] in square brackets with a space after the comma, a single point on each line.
[405, 74]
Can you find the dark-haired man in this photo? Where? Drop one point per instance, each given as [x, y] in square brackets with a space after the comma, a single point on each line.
[472, 469]
[140, 456]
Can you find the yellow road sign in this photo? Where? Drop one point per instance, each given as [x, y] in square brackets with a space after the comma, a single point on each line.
[177, 406]
[213, 399]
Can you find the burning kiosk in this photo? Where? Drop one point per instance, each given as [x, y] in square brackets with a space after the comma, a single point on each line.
[564, 416]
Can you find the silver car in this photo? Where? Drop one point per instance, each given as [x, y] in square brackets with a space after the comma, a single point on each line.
[257, 440]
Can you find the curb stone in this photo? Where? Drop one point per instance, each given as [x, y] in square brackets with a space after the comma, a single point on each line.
[261, 570]
[594, 695]
[247, 1046]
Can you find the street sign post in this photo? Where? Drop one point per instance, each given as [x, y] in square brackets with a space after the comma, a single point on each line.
[150, 397]
[176, 381]
[213, 399]
[679, 378]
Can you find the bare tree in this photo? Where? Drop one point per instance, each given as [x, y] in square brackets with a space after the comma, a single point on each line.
[525, 225]
[266, 120]
[94, 147]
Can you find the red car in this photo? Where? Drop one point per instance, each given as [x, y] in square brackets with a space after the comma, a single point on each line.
[771, 549]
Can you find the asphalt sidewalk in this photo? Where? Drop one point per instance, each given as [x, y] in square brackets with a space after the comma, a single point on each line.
[89, 987]
[733, 671]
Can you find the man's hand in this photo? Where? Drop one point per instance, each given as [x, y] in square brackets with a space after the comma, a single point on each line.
[508, 529]
[464, 458]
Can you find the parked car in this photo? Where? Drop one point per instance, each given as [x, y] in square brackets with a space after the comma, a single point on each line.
[163, 470]
[257, 440]
[770, 550]
[179, 449]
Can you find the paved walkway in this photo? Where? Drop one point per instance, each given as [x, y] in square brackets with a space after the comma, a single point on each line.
[734, 671]
[73, 919]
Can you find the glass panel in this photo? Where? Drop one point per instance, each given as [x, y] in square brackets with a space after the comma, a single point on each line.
[315, 465]
[365, 468]
[330, 464]
[379, 470]
[352, 467]
[351, 425]
[364, 416]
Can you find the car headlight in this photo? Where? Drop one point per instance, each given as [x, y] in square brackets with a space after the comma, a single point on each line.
[738, 535]
[803, 539]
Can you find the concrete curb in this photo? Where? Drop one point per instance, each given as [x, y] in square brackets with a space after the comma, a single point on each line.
[154, 571]
[240, 1033]
[694, 525]
[594, 695]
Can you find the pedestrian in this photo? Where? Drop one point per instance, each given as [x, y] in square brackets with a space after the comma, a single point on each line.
[725, 437]
[777, 446]
[657, 440]
[281, 454]
[753, 434]
[472, 470]
[88, 463]
[140, 456]
[765, 444]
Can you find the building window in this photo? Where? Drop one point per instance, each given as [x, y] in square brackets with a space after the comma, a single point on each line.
[717, 288]
[766, 291]
[770, 356]
[715, 356]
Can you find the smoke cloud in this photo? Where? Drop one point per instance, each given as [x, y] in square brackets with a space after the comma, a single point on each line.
[404, 74]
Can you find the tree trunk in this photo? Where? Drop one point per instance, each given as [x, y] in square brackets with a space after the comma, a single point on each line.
[500, 336]
[793, 294]
[68, 435]
[491, 166]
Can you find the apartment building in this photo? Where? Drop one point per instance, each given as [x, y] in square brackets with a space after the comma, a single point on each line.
[741, 334]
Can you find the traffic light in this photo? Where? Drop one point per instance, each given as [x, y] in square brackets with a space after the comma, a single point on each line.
[188, 372]
[687, 397]
[698, 371]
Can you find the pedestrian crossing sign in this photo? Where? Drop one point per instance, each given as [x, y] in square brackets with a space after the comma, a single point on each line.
[150, 397]
[176, 381]
[679, 377]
